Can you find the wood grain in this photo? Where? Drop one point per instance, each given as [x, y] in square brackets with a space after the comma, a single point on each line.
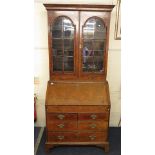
[93, 125]
[92, 136]
[77, 109]
[77, 93]
[62, 136]
[78, 103]
[76, 136]
[78, 14]
[93, 116]
[61, 125]
[61, 116]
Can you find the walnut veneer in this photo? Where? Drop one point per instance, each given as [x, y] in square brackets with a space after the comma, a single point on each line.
[77, 119]
[77, 96]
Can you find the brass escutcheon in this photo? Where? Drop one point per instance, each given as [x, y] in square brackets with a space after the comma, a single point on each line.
[61, 125]
[61, 116]
[92, 137]
[93, 116]
[60, 137]
[93, 126]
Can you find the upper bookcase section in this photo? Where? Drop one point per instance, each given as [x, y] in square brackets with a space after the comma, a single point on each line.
[78, 40]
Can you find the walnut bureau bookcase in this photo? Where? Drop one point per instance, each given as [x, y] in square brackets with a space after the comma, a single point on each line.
[77, 96]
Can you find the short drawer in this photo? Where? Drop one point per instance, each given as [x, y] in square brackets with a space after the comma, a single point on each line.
[93, 125]
[92, 136]
[61, 116]
[93, 116]
[62, 136]
[61, 125]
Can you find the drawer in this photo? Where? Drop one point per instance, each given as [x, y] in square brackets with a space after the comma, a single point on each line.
[92, 136]
[93, 116]
[61, 125]
[93, 125]
[78, 109]
[61, 116]
[62, 136]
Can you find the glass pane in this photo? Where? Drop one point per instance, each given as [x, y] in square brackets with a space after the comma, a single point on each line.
[100, 31]
[63, 44]
[57, 52]
[57, 28]
[98, 63]
[68, 29]
[92, 63]
[98, 45]
[56, 33]
[89, 28]
[57, 63]
[68, 44]
[57, 44]
[98, 53]
[68, 63]
[93, 45]
[88, 64]
[99, 35]
[88, 44]
[69, 53]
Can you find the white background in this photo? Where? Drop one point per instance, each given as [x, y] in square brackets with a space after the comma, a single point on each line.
[16, 77]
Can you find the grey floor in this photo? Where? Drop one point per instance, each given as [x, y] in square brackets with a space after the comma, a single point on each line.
[36, 133]
[115, 146]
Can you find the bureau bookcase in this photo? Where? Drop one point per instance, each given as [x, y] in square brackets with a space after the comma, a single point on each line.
[77, 96]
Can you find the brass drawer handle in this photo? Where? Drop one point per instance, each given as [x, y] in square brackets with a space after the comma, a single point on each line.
[108, 109]
[61, 116]
[61, 125]
[92, 137]
[93, 116]
[93, 126]
[60, 137]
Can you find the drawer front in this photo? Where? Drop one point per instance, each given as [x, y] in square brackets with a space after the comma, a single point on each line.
[61, 116]
[93, 125]
[93, 116]
[78, 109]
[61, 125]
[92, 136]
[62, 136]
[77, 136]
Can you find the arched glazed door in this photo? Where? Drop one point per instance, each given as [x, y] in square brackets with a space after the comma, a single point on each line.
[63, 29]
[93, 43]
[63, 32]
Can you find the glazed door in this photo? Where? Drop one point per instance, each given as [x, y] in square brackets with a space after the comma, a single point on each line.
[62, 38]
[93, 44]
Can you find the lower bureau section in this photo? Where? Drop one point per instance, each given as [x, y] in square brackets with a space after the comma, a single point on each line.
[77, 113]
[77, 136]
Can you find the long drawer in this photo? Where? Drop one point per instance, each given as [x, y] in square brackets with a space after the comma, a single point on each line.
[78, 109]
[75, 116]
[77, 136]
